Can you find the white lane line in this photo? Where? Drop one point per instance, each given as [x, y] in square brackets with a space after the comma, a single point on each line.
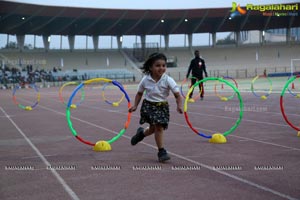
[244, 138]
[66, 187]
[208, 130]
[245, 181]
[249, 139]
[229, 175]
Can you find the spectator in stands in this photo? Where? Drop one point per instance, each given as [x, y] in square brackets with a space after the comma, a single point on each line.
[197, 66]
[155, 107]
[5, 80]
[28, 69]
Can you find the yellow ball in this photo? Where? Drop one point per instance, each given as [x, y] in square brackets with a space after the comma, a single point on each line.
[298, 134]
[263, 97]
[115, 104]
[218, 138]
[28, 108]
[73, 106]
[102, 146]
[191, 101]
[298, 96]
[224, 99]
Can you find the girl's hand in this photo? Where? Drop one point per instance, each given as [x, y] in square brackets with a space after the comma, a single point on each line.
[178, 102]
[179, 109]
[132, 109]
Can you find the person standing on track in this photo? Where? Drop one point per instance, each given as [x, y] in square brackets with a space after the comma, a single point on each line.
[155, 107]
[197, 67]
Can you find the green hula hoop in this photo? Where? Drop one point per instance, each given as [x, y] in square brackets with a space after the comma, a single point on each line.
[238, 95]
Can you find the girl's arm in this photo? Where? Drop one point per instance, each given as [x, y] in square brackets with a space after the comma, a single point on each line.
[137, 100]
[178, 102]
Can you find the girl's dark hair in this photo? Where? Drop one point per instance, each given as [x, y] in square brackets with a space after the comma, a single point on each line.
[151, 59]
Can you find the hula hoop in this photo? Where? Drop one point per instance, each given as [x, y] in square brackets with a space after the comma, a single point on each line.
[252, 87]
[181, 91]
[32, 85]
[223, 97]
[238, 95]
[68, 112]
[282, 105]
[116, 103]
[71, 83]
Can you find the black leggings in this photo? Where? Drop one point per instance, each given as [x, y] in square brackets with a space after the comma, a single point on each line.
[201, 88]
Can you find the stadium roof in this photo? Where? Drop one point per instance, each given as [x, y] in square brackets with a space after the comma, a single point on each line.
[22, 19]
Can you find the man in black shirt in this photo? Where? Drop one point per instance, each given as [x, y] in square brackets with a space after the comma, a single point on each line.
[197, 66]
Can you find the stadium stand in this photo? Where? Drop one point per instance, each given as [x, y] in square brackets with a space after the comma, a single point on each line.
[242, 62]
[239, 61]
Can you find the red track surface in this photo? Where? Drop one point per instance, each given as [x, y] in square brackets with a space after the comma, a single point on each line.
[41, 140]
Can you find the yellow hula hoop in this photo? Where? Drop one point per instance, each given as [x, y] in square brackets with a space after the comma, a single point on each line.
[115, 103]
[263, 97]
[61, 90]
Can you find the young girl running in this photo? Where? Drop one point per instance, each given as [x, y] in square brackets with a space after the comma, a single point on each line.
[155, 107]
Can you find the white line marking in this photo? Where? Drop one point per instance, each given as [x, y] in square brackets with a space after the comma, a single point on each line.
[67, 188]
[245, 138]
[192, 161]
[213, 131]
[229, 175]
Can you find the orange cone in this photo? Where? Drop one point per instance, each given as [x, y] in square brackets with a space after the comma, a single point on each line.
[293, 86]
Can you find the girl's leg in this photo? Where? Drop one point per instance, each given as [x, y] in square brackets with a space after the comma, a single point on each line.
[141, 133]
[162, 153]
[159, 130]
[149, 130]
